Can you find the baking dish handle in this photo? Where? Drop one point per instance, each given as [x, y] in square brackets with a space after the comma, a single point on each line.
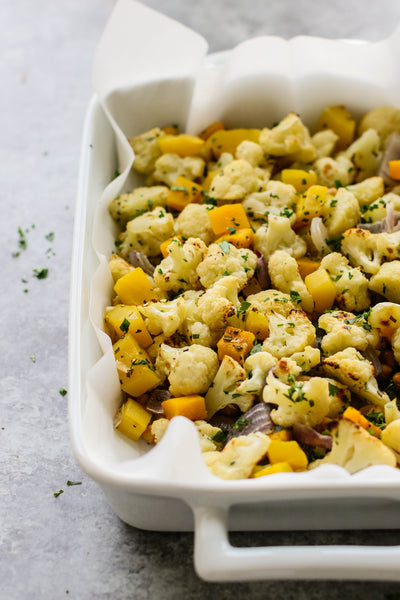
[215, 559]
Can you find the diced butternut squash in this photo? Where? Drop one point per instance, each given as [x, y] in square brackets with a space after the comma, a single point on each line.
[227, 219]
[394, 169]
[181, 144]
[242, 238]
[135, 288]
[281, 467]
[310, 205]
[339, 120]
[132, 419]
[183, 192]
[192, 407]
[307, 266]
[290, 452]
[322, 289]
[135, 370]
[299, 178]
[164, 245]
[235, 343]
[257, 323]
[284, 435]
[210, 129]
[352, 414]
[227, 140]
[122, 318]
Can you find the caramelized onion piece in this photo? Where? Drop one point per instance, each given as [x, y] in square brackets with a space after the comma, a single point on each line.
[256, 419]
[139, 259]
[307, 435]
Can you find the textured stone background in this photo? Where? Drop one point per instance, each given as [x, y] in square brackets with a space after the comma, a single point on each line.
[74, 546]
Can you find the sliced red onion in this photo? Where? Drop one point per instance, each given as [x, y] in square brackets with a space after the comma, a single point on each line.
[139, 259]
[392, 152]
[373, 356]
[319, 235]
[256, 419]
[307, 435]
[261, 271]
[389, 224]
[157, 396]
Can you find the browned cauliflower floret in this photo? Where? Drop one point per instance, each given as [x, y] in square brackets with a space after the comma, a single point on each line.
[224, 260]
[289, 334]
[289, 138]
[146, 149]
[355, 449]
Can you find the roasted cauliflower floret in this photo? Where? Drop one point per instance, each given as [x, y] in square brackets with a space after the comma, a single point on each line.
[368, 190]
[194, 221]
[289, 334]
[355, 449]
[271, 301]
[384, 119]
[164, 317]
[369, 249]
[206, 433]
[289, 138]
[146, 149]
[365, 154]
[256, 366]
[341, 212]
[224, 388]
[190, 370]
[278, 199]
[146, 233]
[324, 142]
[224, 260]
[387, 281]
[178, 270]
[237, 180]
[239, 457]
[306, 402]
[278, 235]
[351, 368]
[307, 359]
[334, 170]
[385, 318]
[220, 302]
[170, 166]
[251, 152]
[125, 207]
[342, 331]
[284, 274]
[351, 285]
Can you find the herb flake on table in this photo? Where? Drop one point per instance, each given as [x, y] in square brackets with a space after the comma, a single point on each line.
[56, 494]
[40, 272]
[62, 392]
[70, 483]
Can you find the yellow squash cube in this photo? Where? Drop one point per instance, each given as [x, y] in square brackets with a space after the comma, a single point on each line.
[310, 205]
[243, 238]
[122, 318]
[135, 288]
[299, 178]
[132, 419]
[227, 140]
[281, 467]
[192, 407]
[135, 370]
[289, 452]
[181, 144]
[339, 120]
[322, 289]
[257, 323]
[183, 192]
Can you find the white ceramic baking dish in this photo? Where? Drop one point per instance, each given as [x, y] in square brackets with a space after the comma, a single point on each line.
[168, 487]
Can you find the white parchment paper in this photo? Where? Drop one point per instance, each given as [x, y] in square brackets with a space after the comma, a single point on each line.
[151, 71]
